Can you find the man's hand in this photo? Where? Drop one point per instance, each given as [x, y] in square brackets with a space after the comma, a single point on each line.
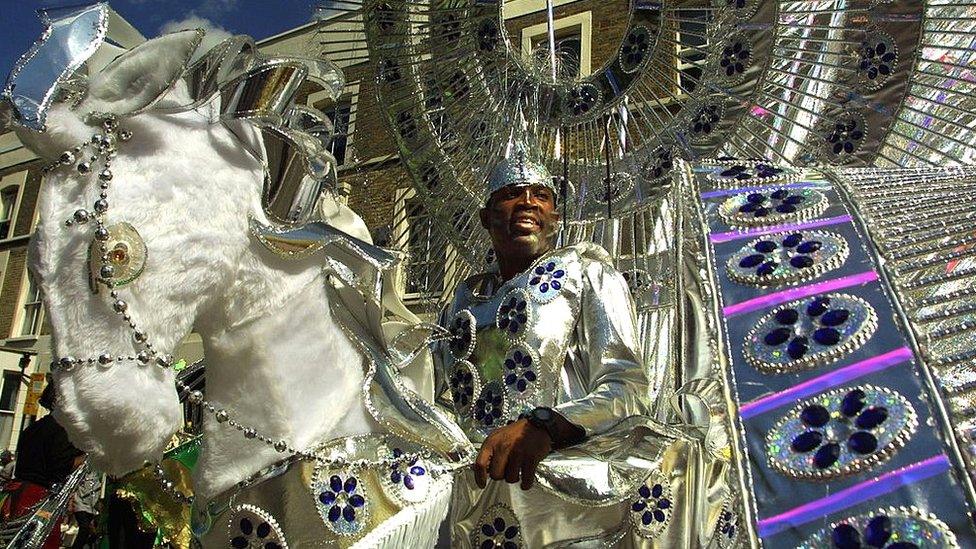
[512, 452]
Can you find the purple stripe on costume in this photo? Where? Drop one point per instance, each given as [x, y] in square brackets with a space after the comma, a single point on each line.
[776, 298]
[730, 192]
[719, 238]
[859, 493]
[820, 384]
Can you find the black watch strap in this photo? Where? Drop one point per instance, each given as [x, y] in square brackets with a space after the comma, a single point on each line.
[545, 419]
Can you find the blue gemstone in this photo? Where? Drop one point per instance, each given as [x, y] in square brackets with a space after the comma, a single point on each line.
[644, 491]
[793, 240]
[756, 198]
[853, 403]
[240, 542]
[544, 287]
[550, 266]
[521, 385]
[647, 518]
[351, 484]
[487, 530]
[862, 442]
[766, 268]
[815, 415]
[846, 536]
[761, 212]
[246, 526]
[660, 516]
[801, 261]
[263, 530]
[747, 208]
[826, 336]
[334, 513]
[556, 285]
[785, 208]
[902, 545]
[827, 455]
[349, 513]
[780, 194]
[529, 375]
[335, 483]
[535, 280]
[777, 337]
[806, 442]
[499, 524]
[394, 478]
[809, 247]
[510, 379]
[872, 417]
[664, 503]
[818, 306]
[559, 274]
[765, 246]
[638, 505]
[657, 490]
[787, 316]
[797, 348]
[417, 470]
[327, 498]
[835, 317]
[408, 482]
[794, 200]
[357, 500]
[540, 270]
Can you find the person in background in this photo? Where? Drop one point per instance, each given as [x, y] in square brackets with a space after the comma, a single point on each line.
[45, 457]
[7, 464]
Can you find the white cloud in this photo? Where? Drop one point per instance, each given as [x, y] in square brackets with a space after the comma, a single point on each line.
[215, 33]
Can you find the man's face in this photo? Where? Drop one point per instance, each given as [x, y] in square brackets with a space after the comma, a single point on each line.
[521, 221]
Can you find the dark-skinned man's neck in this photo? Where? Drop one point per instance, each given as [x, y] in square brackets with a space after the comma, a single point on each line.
[512, 266]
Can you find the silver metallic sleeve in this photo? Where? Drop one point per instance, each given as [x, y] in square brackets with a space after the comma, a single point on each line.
[609, 354]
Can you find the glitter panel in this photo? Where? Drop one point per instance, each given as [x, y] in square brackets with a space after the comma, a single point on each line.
[885, 528]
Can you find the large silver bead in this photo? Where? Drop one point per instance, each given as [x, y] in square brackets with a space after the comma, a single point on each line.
[164, 360]
[67, 362]
[106, 271]
[105, 175]
[196, 397]
[96, 138]
[67, 157]
[101, 205]
[120, 306]
[101, 233]
[105, 359]
[84, 167]
[280, 446]
[139, 336]
[221, 416]
[143, 357]
[82, 216]
[250, 433]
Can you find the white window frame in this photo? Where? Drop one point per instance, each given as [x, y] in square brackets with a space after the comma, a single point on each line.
[400, 233]
[352, 92]
[19, 317]
[582, 20]
[18, 180]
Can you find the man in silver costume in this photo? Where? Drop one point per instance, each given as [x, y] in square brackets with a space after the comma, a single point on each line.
[544, 356]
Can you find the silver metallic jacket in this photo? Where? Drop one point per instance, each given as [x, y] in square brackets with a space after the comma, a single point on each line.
[561, 334]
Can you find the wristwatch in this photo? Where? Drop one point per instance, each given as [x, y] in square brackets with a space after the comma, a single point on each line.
[545, 419]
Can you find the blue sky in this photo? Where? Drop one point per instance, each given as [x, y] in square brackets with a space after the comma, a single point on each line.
[19, 25]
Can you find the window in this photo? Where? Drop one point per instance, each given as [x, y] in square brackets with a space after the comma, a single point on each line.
[692, 43]
[33, 313]
[9, 391]
[424, 269]
[573, 51]
[340, 113]
[8, 204]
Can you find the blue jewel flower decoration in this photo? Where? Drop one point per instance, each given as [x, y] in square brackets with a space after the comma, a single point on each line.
[840, 432]
[547, 279]
[462, 331]
[634, 49]
[767, 171]
[498, 533]
[704, 121]
[462, 383]
[488, 35]
[652, 508]
[727, 527]
[844, 135]
[490, 406]
[520, 371]
[852, 422]
[767, 256]
[781, 201]
[341, 498]
[581, 99]
[513, 314]
[887, 528]
[734, 58]
[254, 533]
[877, 58]
[403, 471]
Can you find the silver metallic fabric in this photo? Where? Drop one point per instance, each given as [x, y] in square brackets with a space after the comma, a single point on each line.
[519, 168]
[562, 334]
